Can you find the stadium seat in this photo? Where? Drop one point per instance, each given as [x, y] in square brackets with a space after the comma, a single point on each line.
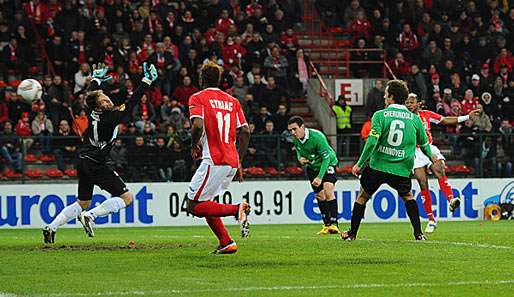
[462, 169]
[53, 172]
[256, 171]
[47, 158]
[294, 170]
[33, 173]
[271, 171]
[12, 174]
[71, 172]
[30, 158]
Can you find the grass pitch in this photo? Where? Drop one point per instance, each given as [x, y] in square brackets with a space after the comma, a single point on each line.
[460, 259]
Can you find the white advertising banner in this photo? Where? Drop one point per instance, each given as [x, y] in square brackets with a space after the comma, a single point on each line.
[273, 202]
[350, 88]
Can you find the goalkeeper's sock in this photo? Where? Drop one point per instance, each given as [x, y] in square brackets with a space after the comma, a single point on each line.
[325, 213]
[445, 186]
[332, 209]
[357, 215]
[109, 206]
[413, 212]
[214, 209]
[218, 228]
[69, 213]
[427, 203]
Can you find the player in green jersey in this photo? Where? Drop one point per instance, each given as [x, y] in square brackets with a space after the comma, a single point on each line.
[390, 148]
[320, 161]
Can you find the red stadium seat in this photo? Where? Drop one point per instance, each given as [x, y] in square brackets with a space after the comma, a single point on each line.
[256, 171]
[294, 170]
[33, 173]
[30, 158]
[348, 169]
[462, 169]
[53, 172]
[47, 158]
[271, 171]
[12, 174]
[71, 172]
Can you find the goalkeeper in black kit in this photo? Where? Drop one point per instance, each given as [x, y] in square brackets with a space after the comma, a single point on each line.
[93, 168]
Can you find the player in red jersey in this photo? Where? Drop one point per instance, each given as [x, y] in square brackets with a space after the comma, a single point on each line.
[422, 163]
[216, 116]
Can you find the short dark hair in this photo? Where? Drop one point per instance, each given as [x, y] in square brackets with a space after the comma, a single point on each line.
[296, 119]
[399, 90]
[92, 99]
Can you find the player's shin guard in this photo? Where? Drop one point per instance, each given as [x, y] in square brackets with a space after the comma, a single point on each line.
[325, 214]
[413, 212]
[427, 204]
[214, 209]
[445, 186]
[357, 215]
[109, 206]
[69, 213]
[332, 210]
[218, 228]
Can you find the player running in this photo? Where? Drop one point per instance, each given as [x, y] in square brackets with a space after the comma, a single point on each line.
[422, 163]
[320, 161]
[216, 117]
[390, 147]
[94, 155]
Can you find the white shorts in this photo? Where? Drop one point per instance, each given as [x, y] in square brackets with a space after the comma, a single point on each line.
[421, 160]
[210, 181]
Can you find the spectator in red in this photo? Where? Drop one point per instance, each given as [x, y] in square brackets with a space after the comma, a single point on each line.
[36, 10]
[503, 58]
[399, 66]
[408, 40]
[23, 129]
[232, 53]
[184, 91]
[469, 103]
[289, 40]
[360, 27]
[146, 49]
[80, 50]
[250, 8]
[224, 22]
[4, 112]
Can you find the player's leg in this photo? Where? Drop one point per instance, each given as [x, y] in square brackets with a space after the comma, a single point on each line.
[108, 180]
[370, 181]
[438, 168]
[421, 177]
[72, 211]
[328, 189]
[403, 186]
[321, 199]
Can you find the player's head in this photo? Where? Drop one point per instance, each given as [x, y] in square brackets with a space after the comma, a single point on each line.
[98, 101]
[412, 103]
[396, 92]
[296, 127]
[210, 75]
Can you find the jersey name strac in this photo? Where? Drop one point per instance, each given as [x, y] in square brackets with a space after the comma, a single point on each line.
[222, 115]
[428, 117]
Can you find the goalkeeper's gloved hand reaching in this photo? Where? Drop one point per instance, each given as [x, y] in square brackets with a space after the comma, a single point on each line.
[150, 73]
[100, 73]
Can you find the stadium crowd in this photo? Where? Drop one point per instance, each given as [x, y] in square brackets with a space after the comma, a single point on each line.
[255, 42]
[455, 54]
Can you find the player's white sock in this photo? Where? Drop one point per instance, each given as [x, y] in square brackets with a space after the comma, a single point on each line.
[108, 206]
[69, 213]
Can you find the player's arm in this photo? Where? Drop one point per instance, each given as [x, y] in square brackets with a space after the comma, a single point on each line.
[371, 143]
[323, 150]
[455, 120]
[196, 113]
[244, 139]
[150, 75]
[422, 138]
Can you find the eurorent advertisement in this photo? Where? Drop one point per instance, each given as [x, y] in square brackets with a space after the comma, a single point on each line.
[273, 202]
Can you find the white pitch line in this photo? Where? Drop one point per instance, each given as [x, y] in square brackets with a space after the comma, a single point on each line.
[283, 288]
[440, 242]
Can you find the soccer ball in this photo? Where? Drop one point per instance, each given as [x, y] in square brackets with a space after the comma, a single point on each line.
[30, 90]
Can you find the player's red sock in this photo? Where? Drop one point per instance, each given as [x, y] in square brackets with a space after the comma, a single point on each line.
[427, 203]
[214, 209]
[218, 228]
[445, 186]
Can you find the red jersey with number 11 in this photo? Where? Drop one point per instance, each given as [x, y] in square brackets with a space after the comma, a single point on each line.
[428, 117]
[222, 115]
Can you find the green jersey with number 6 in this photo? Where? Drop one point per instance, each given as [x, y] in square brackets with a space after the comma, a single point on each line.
[396, 131]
